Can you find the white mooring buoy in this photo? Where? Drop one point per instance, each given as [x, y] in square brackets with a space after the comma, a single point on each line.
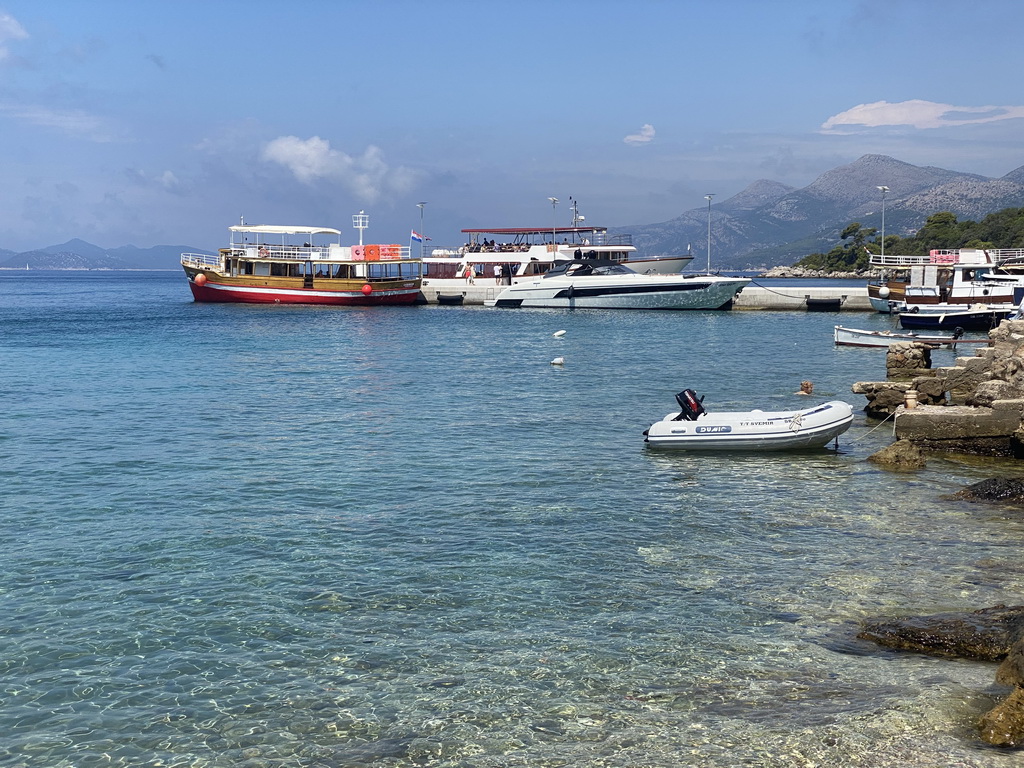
[558, 361]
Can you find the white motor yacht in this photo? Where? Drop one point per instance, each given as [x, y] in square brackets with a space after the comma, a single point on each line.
[601, 284]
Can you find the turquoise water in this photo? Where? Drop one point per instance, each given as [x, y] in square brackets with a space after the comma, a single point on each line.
[302, 536]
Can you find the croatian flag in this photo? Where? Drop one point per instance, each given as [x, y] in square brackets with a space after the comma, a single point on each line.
[417, 236]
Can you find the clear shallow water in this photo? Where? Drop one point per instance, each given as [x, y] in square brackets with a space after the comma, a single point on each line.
[295, 536]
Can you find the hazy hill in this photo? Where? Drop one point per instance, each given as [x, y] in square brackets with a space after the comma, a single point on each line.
[78, 254]
[768, 223]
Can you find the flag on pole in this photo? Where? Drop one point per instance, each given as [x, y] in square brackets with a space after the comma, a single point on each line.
[418, 237]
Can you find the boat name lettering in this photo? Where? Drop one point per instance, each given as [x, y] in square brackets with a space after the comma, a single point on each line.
[709, 430]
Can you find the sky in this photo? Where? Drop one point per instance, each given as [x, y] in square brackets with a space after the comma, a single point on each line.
[150, 122]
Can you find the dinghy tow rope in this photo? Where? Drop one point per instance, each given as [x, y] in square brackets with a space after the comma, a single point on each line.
[890, 416]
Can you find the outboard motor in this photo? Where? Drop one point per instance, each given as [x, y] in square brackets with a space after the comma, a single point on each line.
[690, 404]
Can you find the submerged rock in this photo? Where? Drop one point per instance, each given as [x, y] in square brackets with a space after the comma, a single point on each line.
[902, 454]
[1003, 725]
[987, 634]
[1001, 489]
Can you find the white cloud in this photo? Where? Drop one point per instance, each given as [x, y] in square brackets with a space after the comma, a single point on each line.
[915, 113]
[367, 176]
[643, 136]
[10, 29]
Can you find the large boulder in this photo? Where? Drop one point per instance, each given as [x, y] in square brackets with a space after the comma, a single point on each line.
[901, 455]
[987, 392]
[884, 397]
[1003, 725]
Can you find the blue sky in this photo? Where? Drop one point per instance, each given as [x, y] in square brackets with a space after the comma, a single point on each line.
[152, 122]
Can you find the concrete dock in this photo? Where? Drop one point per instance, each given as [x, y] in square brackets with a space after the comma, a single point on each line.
[852, 298]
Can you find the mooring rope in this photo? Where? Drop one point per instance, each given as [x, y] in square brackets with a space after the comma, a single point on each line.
[890, 416]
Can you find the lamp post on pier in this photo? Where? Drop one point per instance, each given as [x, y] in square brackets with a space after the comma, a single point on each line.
[554, 226]
[708, 198]
[423, 235]
[883, 190]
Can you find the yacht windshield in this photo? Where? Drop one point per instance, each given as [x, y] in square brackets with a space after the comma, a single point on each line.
[585, 267]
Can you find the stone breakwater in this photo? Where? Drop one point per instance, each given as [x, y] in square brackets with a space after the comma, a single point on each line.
[975, 406]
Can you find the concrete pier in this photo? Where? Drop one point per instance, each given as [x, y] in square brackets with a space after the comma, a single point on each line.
[852, 298]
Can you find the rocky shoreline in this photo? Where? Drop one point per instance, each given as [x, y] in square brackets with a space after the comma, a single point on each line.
[976, 407]
[799, 272]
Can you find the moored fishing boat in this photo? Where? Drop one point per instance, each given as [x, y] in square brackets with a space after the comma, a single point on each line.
[599, 284]
[855, 337]
[694, 429]
[262, 265]
[979, 317]
[960, 276]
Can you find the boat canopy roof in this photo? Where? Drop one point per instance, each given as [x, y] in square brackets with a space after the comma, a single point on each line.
[274, 229]
[535, 231]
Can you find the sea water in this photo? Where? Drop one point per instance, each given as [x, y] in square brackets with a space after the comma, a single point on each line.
[311, 536]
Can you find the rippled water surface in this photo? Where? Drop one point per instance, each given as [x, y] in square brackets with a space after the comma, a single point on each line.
[280, 536]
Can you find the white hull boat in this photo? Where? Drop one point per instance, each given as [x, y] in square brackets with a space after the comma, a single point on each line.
[598, 284]
[694, 429]
[855, 337]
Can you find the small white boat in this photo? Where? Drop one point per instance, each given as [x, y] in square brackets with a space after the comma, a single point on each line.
[694, 429]
[855, 337]
[602, 284]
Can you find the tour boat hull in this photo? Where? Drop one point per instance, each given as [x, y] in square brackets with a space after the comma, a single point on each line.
[211, 291]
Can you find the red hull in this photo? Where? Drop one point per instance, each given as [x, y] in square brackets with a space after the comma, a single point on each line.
[213, 292]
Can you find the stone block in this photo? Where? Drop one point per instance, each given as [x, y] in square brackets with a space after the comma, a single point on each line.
[973, 364]
[1008, 405]
[955, 422]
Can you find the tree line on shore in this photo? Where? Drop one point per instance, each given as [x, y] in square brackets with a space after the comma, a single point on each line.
[1003, 229]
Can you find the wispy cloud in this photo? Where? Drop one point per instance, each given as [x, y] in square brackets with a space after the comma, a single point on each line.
[10, 30]
[643, 136]
[367, 176]
[915, 113]
[74, 122]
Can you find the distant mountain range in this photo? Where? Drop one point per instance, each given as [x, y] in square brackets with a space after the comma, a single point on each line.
[78, 254]
[769, 223]
[765, 225]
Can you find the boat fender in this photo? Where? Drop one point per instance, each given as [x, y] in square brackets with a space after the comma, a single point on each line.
[199, 279]
[367, 289]
[915, 310]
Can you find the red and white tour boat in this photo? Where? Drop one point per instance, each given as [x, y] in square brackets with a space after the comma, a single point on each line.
[268, 264]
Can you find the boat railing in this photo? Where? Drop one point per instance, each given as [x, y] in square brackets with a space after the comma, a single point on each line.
[620, 239]
[200, 260]
[322, 253]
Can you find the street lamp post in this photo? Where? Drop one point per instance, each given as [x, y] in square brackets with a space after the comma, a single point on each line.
[708, 198]
[883, 190]
[554, 247]
[423, 236]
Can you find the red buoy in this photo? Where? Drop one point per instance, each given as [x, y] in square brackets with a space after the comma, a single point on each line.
[367, 289]
[199, 279]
